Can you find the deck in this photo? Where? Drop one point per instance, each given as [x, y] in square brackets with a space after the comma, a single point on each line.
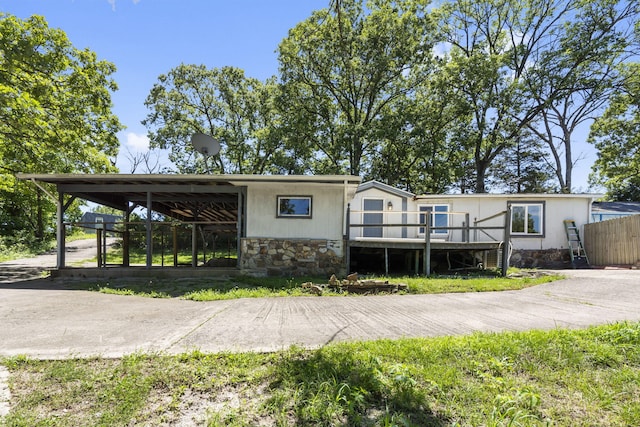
[409, 243]
[448, 236]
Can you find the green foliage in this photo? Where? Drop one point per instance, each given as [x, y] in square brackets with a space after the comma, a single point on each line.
[343, 69]
[222, 102]
[537, 378]
[616, 136]
[532, 66]
[55, 116]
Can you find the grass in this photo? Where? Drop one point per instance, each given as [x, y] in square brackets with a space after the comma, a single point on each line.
[138, 256]
[220, 288]
[539, 378]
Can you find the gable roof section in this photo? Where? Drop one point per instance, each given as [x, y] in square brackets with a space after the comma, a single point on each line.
[384, 187]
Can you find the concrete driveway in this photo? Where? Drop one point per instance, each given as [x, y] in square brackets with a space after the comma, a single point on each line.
[40, 319]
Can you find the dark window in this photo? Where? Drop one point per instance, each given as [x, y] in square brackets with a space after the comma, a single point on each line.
[294, 206]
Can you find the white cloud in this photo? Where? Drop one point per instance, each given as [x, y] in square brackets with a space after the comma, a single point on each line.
[136, 142]
[113, 4]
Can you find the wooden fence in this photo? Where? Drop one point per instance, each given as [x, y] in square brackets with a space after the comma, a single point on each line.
[613, 242]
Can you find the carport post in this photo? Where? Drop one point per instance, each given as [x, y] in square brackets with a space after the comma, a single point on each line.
[60, 235]
[126, 236]
[194, 239]
[149, 235]
[507, 241]
[427, 244]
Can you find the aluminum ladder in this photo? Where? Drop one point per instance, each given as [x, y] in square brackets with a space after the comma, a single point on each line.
[576, 249]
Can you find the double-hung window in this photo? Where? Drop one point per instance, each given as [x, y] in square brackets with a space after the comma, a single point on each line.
[527, 219]
[439, 218]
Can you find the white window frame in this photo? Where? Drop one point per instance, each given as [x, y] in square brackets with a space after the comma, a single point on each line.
[434, 215]
[527, 212]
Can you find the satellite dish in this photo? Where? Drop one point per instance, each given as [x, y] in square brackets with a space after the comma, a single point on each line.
[205, 144]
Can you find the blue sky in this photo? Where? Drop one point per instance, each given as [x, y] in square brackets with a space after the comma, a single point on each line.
[146, 38]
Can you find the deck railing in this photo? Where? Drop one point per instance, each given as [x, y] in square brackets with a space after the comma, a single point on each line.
[431, 230]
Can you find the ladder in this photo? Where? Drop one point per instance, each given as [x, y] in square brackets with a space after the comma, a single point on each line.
[576, 249]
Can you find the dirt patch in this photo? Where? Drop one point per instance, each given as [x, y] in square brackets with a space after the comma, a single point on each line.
[5, 394]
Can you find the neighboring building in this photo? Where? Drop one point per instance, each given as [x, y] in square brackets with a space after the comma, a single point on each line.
[91, 221]
[602, 211]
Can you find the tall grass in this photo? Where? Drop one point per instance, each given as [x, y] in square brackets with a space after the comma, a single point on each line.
[562, 378]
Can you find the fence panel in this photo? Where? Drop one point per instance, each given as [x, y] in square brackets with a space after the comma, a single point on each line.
[613, 242]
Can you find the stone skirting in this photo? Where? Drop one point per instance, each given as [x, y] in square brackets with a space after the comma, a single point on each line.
[291, 257]
[547, 258]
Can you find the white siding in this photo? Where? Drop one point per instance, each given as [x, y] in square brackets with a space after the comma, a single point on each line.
[390, 216]
[327, 211]
[557, 208]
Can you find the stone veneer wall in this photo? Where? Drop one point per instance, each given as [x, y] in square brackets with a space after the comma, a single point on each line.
[547, 258]
[291, 257]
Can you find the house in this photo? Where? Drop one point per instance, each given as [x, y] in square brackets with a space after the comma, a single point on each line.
[388, 229]
[282, 224]
[91, 221]
[330, 224]
[602, 211]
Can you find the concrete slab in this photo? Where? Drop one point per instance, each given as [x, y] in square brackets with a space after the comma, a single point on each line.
[41, 319]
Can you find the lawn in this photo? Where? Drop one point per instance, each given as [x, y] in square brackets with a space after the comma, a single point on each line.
[219, 288]
[539, 378]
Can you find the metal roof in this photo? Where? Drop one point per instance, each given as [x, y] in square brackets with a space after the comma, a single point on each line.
[384, 187]
[617, 207]
[188, 198]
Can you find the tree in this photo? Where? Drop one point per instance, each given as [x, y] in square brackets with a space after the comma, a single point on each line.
[223, 103]
[421, 150]
[577, 75]
[616, 135]
[55, 116]
[530, 64]
[523, 168]
[342, 68]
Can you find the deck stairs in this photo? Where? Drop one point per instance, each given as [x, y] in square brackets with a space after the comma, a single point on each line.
[576, 248]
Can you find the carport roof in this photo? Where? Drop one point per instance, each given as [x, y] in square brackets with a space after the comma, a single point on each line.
[211, 198]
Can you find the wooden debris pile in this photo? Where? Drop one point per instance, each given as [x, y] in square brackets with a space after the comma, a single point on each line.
[353, 285]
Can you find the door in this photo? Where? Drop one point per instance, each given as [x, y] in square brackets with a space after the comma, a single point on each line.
[372, 217]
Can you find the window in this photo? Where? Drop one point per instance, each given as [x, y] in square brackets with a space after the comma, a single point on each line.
[437, 219]
[294, 207]
[527, 219]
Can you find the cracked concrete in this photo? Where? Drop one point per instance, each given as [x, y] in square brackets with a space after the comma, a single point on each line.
[43, 320]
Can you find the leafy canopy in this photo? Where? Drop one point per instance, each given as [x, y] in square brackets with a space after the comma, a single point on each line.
[55, 115]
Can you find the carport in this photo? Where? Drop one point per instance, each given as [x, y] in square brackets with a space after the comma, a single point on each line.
[212, 201]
